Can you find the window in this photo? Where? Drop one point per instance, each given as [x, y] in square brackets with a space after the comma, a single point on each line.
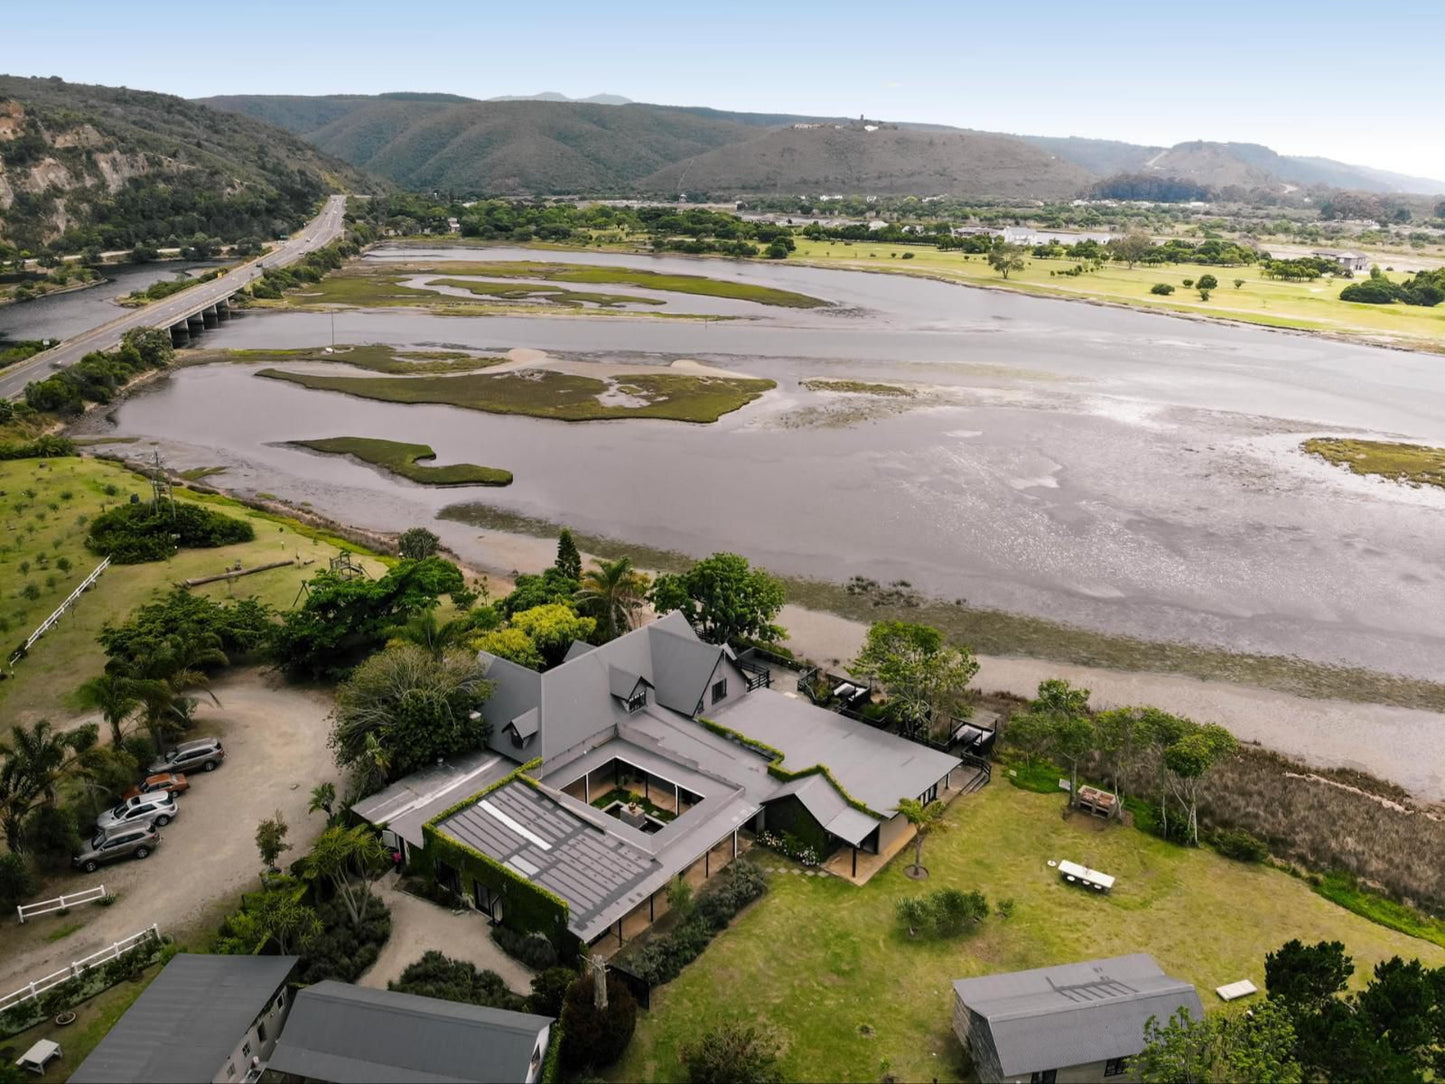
[638, 700]
[230, 1069]
[281, 1000]
[261, 1031]
[720, 690]
[246, 1049]
[1116, 1066]
[1045, 1076]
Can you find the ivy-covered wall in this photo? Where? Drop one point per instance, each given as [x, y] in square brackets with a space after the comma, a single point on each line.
[788, 814]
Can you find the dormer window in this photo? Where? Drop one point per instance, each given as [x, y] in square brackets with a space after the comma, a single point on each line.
[638, 700]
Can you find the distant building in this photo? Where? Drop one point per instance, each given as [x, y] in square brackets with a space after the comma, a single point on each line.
[1350, 261]
[1075, 1022]
[203, 1018]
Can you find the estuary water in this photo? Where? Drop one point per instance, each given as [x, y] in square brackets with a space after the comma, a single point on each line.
[1128, 472]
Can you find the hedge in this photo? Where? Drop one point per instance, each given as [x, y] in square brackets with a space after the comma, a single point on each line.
[661, 959]
[135, 533]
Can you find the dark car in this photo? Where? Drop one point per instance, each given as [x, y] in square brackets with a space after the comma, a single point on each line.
[135, 842]
[205, 754]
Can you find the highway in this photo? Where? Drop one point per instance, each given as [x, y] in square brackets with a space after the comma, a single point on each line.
[321, 230]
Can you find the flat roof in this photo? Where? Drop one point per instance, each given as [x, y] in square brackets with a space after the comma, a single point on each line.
[188, 1021]
[875, 767]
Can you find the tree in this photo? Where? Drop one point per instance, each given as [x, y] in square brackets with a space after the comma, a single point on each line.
[569, 561]
[1164, 730]
[1187, 761]
[1070, 732]
[1206, 284]
[35, 759]
[1238, 283]
[593, 1036]
[1257, 1046]
[350, 859]
[271, 839]
[1121, 736]
[115, 695]
[924, 675]
[424, 630]
[416, 708]
[1132, 247]
[1303, 978]
[553, 629]
[732, 1053]
[612, 592]
[511, 644]
[1006, 258]
[417, 543]
[724, 599]
[276, 916]
[926, 819]
[323, 797]
[104, 772]
[1029, 732]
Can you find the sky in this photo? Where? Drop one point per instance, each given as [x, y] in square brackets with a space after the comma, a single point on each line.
[1341, 80]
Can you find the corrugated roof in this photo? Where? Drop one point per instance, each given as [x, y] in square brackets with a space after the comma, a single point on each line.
[1074, 1014]
[414, 799]
[339, 1032]
[188, 1021]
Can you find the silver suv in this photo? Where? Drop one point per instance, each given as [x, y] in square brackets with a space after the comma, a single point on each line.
[135, 842]
[157, 808]
[205, 754]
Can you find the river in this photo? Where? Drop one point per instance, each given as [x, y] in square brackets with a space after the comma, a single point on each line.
[59, 316]
[1124, 471]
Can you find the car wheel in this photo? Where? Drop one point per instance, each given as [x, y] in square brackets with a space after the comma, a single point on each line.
[141, 852]
[209, 765]
[90, 867]
[161, 822]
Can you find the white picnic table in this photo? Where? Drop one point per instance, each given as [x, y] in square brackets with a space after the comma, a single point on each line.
[38, 1056]
[1089, 878]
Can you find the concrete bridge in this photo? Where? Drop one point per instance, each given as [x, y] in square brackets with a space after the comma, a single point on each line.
[185, 314]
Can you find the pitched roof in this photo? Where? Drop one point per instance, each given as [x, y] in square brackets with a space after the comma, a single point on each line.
[622, 683]
[339, 1032]
[525, 725]
[188, 1021]
[1074, 1014]
[829, 808]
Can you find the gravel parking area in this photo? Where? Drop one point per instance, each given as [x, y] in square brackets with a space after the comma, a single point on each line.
[275, 737]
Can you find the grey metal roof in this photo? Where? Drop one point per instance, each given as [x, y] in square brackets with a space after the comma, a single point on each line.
[526, 724]
[829, 808]
[622, 683]
[579, 647]
[553, 847]
[414, 799]
[338, 1032]
[682, 666]
[874, 766]
[1074, 1014]
[188, 1021]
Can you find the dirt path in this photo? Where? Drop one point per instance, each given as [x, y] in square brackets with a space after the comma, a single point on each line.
[275, 738]
[1398, 744]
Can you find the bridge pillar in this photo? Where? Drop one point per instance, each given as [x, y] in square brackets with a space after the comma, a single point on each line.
[223, 309]
[209, 317]
[180, 334]
[195, 323]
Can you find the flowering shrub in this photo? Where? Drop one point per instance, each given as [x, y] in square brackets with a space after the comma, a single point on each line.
[790, 846]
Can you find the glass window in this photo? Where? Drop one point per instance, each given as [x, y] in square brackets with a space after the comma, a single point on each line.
[246, 1049]
[1047, 1076]
[230, 1069]
[719, 690]
[261, 1031]
[1116, 1066]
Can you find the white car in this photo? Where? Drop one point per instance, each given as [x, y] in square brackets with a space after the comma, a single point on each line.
[157, 809]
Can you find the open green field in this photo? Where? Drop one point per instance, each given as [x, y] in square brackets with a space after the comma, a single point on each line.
[1306, 306]
[825, 963]
[374, 357]
[1416, 464]
[373, 285]
[52, 525]
[544, 393]
[402, 459]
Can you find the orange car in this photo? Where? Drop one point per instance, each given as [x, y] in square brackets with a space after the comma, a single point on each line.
[171, 782]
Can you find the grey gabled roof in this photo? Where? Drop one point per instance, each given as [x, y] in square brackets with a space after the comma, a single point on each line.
[1074, 1014]
[525, 725]
[338, 1032]
[622, 683]
[682, 666]
[829, 808]
[188, 1021]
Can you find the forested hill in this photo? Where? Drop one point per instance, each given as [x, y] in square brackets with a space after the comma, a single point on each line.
[107, 167]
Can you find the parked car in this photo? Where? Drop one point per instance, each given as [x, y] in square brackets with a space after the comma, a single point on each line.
[206, 754]
[165, 782]
[157, 809]
[135, 842]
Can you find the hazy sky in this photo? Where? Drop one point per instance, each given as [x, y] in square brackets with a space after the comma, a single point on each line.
[1340, 79]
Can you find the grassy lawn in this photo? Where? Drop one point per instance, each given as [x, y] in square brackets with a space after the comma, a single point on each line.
[374, 357]
[1414, 463]
[53, 525]
[826, 964]
[93, 1019]
[1310, 306]
[541, 393]
[402, 459]
[363, 284]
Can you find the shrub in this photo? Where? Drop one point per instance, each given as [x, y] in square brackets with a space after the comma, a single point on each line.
[1005, 907]
[17, 880]
[437, 975]
[1372, 291]
[1238, 844]
[134, 533]
[591, 1036]
[51, 837]
[733, 1053]
[1188, 283]
[342, 951]
[662, 959]
[947, 912]
[548, 991]
[1162, 288]
[532, 949]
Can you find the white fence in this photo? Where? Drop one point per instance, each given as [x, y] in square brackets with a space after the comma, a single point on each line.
[44, 907]
[78, 968]
[47, 624]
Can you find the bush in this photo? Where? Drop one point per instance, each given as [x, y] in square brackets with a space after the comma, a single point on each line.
[1162, 288]
[1372, 291]
[343, 952]
[51, 837]
[1238, 844]
[596, 1037]
[1188, 283]
[732, 1054]
[662, 959]
[549, 989]
[532, 949]
[134, 533]
[947, 912]
[17, 880]
[437, 975]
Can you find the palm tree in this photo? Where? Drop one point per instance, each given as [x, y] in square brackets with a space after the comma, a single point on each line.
[35, 758]
[612, 592]
[323, 797]
[115, 696]
[349, 858]
[424, 630]
[926, 819]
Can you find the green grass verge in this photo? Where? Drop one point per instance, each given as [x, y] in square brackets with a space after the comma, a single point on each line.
[543, 393]
[68, 654]
[374, 357]
[552, 295]
[858, 387]
[93, 1021]
[399, 458]
[826, 964]
[1415, 464]
[995, 632]
[1344, 890]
